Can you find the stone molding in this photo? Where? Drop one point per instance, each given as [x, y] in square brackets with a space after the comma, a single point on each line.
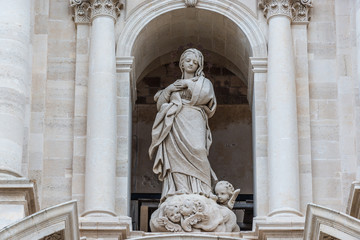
[323, 222]
[105, 227]
[278, 227]
[353, 208]
[62, 217]
[296, 10]
[191, 3]
[85, 10]
[188, 236]
[149, 10]
[125, 65]
[256, 65]
[22, 186]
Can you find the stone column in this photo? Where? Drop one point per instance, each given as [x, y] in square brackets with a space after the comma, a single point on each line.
[283, 163]
[100, 177]
[100, 218]
[101, 112]
[15, 80]
[17, 198]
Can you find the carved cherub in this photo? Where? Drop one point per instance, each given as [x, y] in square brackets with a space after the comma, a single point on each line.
[192, 214]
[170, 219]
[226, 193]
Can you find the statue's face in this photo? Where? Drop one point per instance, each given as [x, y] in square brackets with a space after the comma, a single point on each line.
[222, 193]
[173, 214]
[191, 63]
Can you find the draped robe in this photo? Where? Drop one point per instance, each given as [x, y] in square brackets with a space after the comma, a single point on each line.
[181, 138]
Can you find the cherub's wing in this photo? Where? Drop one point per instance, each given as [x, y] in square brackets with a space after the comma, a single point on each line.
[170, 226]
[231, 201]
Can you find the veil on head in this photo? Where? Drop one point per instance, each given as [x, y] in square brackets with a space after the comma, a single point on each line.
[199, 72]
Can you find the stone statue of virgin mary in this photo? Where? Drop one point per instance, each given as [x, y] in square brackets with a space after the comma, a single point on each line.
[181, 140]
[181, 137]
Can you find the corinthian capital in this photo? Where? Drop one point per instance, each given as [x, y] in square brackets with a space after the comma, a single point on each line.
[81, 10]
[109, 8]
[296, 10]
[86, 10]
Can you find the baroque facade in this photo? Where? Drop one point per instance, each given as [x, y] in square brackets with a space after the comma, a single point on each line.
[77, 79]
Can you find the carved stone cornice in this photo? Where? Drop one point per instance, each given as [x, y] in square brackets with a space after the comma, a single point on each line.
[191, 3]
[296, 10]
[87, 10]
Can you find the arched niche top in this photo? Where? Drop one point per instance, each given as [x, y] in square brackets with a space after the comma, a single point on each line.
[149, 10]
[60, 219]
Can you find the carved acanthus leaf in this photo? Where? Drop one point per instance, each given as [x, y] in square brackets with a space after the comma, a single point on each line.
[106, 7]
[301, 10]
[296, 10]
[191, 3]
[86, 10]
[81, 10]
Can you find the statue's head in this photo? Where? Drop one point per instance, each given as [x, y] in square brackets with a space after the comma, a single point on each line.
[224, 190]
[172, 212]
[192, 52]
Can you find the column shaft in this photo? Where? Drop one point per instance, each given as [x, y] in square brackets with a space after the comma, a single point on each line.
[14, 81]
[282, 119]
[101, 120]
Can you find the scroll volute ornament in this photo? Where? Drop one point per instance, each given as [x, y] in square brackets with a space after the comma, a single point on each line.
[296, 10]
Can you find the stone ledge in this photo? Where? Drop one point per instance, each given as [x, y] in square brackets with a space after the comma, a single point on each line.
[18, 196]
[62, 217]
[279, 227]
[321, 221]
[137, 235]
[105, 227]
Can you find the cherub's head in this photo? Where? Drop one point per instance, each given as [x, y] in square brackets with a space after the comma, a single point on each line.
[187, 207]
[224, 190]
[172, 212]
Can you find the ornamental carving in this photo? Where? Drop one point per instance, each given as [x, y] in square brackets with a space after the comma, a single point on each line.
[191, 3]
[82, 10]
[296, 10]
[55, 236]
[86, 10]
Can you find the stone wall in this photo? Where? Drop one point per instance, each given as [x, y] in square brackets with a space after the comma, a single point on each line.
[332, 101]
[52, 107]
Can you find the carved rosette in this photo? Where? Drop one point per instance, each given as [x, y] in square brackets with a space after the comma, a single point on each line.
[191, 3]
[296, 10]
[86, 10]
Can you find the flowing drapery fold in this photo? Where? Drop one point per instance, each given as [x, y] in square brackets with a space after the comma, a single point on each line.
[181, 139]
